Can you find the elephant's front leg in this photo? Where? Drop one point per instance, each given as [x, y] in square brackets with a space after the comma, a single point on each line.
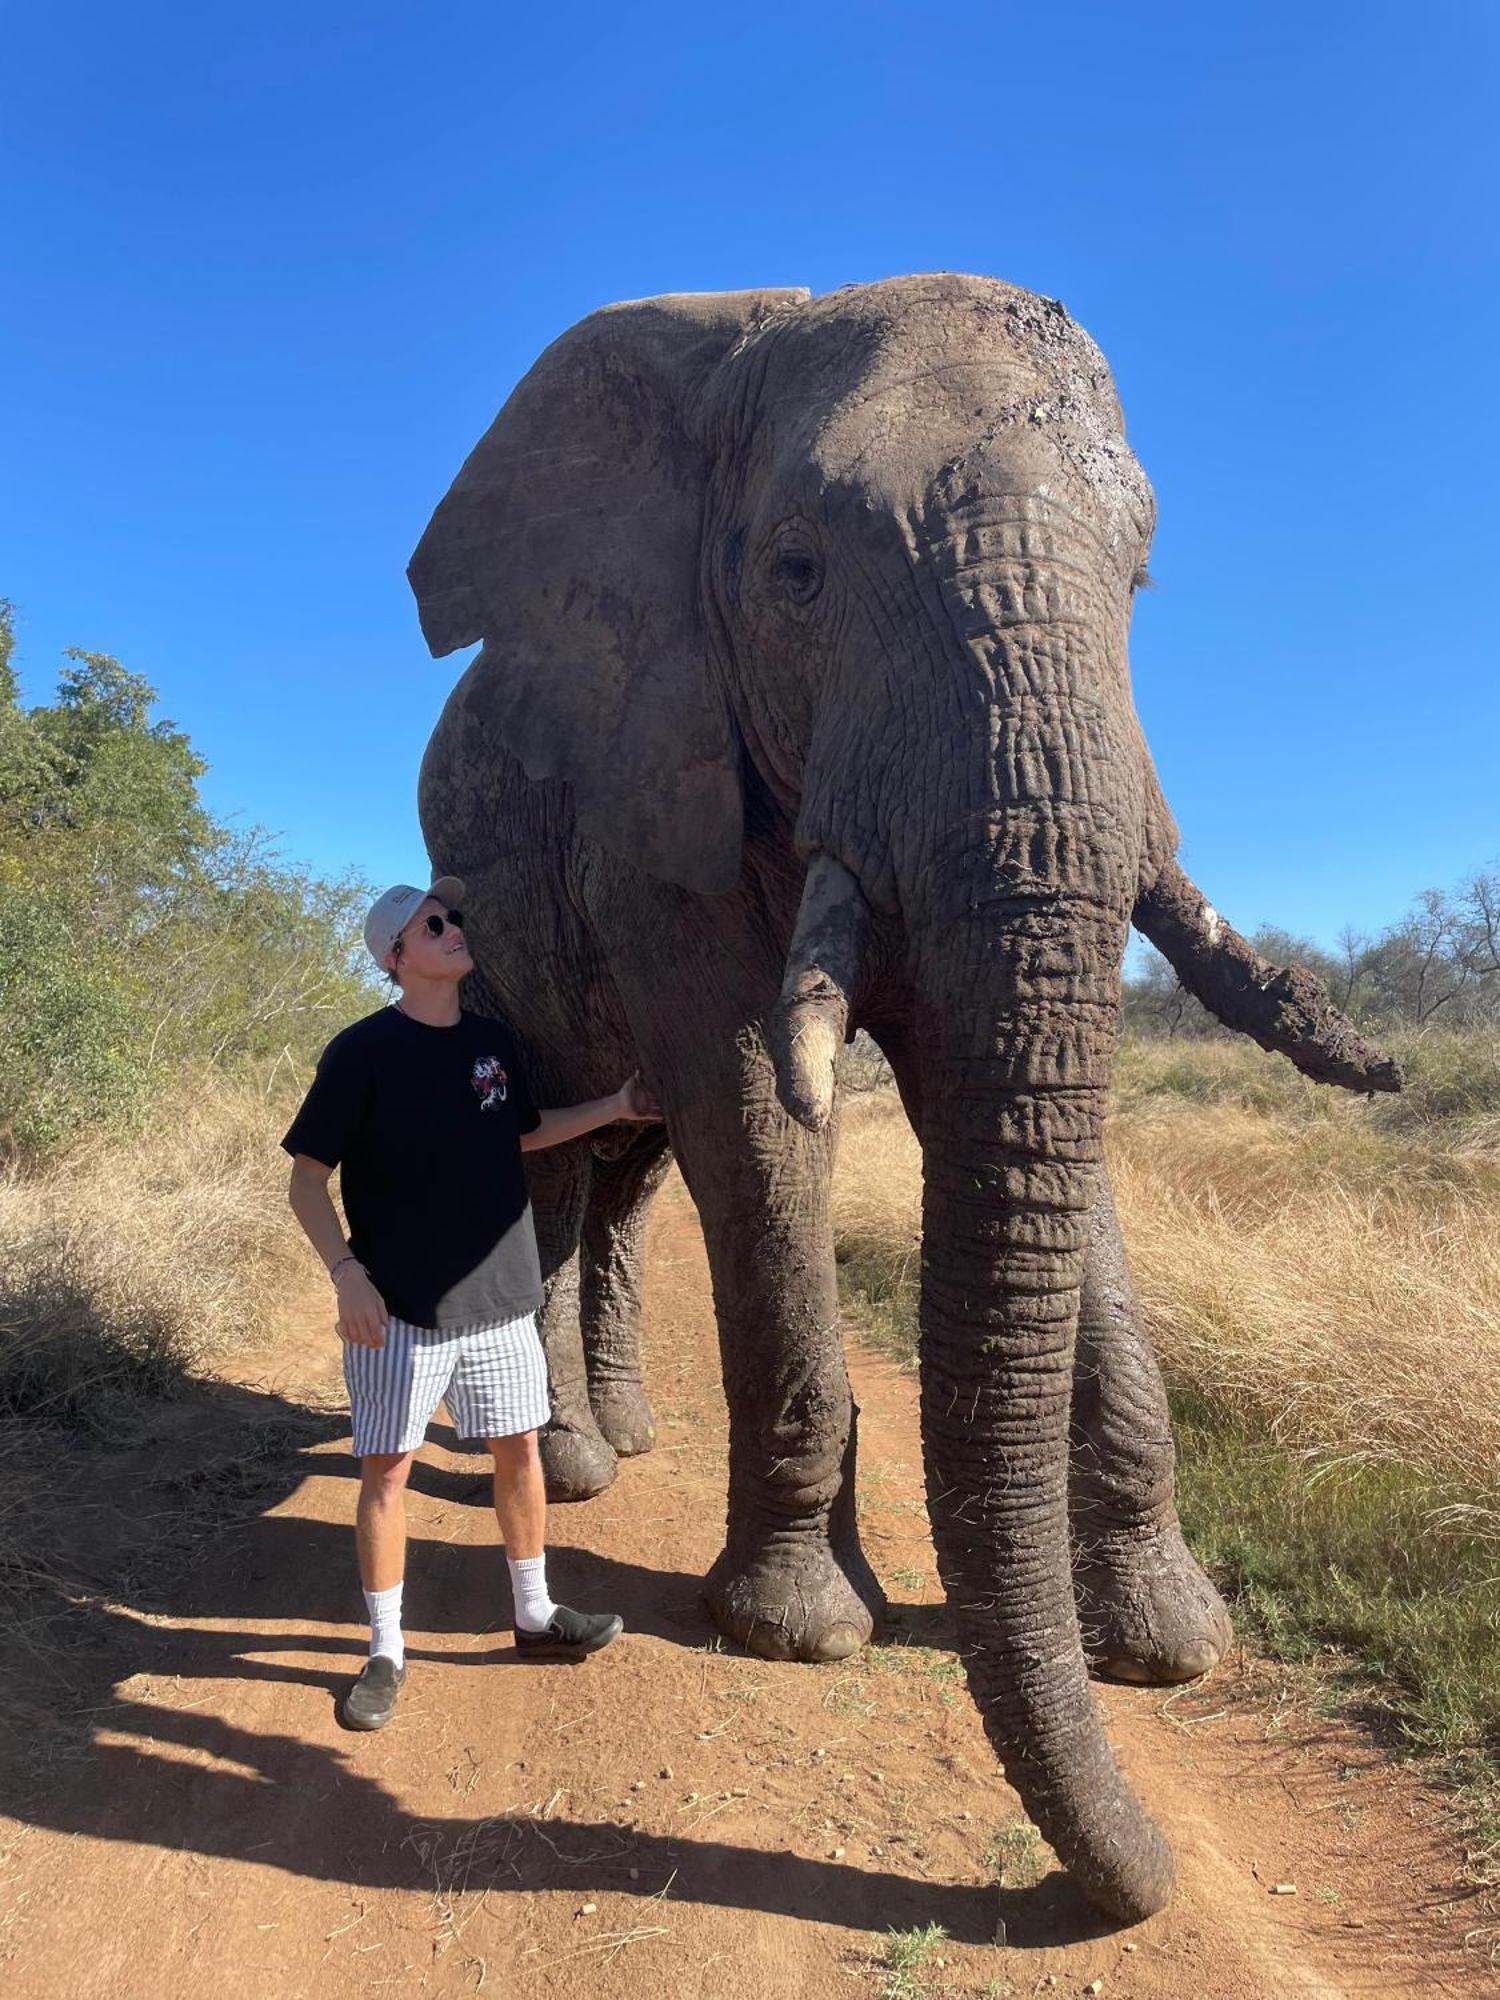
[577, 1460]
[1147, 1611]
[621, 1188]
[792, 1581]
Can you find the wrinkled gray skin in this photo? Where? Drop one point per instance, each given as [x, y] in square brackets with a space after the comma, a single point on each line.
[804, 705]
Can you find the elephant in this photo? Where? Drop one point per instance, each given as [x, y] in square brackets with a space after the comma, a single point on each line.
[802, 706]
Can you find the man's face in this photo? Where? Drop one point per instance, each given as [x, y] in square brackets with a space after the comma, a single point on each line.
[421, 955]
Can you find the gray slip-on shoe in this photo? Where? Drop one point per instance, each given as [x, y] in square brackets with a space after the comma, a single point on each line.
[371, 1702]
[570, 1635]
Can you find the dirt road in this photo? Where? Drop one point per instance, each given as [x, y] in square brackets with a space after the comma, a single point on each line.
[670, 1816]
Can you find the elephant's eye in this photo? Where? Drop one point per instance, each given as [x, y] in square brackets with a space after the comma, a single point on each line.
[798, 576]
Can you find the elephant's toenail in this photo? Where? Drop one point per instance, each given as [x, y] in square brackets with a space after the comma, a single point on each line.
[838, 1642]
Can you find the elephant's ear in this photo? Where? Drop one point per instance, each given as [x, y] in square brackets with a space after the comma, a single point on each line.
[569, 543]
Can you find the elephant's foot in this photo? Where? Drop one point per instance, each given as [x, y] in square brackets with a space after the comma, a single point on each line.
[577, 1462]
[624, 1417]
[795, 1600]
[1148, 1613]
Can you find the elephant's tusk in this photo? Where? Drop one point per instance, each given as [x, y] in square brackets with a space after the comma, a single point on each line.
[1285, 1009]
[812, 1014]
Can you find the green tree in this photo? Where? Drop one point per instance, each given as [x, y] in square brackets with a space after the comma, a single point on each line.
[139, 937]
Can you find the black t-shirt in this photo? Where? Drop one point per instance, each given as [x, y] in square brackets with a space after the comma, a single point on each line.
[425, 1124]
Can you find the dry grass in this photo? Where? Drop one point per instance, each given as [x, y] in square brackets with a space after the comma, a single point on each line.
[1452, 1085]
[1301, 1260]
[1347, 1294]
[128, 1264]
[877, 1182]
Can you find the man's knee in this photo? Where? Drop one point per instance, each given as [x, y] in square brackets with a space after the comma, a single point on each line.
[383, 1474]
[515, 1453]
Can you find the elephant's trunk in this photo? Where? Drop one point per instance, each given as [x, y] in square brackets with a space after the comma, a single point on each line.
[1016, 1017]
[812, 1014]
[1015, 889]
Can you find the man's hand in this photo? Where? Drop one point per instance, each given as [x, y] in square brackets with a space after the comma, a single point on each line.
[362, 1314]
[632, 1102]
[636, 1102]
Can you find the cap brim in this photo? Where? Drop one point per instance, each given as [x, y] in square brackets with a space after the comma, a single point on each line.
[448, 889]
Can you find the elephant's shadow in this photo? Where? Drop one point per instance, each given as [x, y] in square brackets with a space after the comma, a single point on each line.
[70, 1770]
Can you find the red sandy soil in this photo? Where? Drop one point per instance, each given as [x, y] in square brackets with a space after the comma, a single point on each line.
[671, 1815]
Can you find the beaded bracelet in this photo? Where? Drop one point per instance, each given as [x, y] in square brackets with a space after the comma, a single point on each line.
[334, 1269]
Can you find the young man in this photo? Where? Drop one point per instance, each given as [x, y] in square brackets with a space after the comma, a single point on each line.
[424, 1106]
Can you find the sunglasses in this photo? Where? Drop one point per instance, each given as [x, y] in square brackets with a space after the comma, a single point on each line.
[434, 925]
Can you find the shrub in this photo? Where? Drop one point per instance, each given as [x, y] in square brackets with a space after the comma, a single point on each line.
[141, 941]
[132, 1264]
[68, 1024]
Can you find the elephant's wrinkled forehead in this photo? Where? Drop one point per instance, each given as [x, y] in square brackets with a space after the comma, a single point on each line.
[934, 391]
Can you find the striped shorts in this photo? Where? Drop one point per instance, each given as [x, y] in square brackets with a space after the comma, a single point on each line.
[493, 1377]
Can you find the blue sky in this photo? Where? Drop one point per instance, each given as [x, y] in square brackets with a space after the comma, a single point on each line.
[271, 271]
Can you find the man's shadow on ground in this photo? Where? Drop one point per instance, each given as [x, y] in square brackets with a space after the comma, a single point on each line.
[303, 1806]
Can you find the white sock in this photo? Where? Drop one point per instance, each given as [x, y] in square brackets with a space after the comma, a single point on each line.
[384, 1607]
[528, 1584]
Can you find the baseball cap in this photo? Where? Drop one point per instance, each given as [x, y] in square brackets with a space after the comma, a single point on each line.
[394, 909]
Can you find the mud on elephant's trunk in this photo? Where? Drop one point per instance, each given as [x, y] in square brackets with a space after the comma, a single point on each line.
[1017, 1025]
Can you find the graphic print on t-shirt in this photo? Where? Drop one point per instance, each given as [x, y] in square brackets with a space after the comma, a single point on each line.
[490, 1080]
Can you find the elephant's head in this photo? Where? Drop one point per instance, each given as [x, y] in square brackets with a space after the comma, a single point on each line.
[874, 553]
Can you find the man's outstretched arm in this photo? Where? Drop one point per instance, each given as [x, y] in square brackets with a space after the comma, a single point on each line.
[631, 1101]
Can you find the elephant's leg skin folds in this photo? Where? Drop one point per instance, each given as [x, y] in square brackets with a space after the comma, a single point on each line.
[625, 1418]
[577, 1461]
[614, 1231]
[792, 1582]
[797, 1593]
[1147, 1612]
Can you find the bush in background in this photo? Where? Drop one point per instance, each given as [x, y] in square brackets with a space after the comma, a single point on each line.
[1438, 966]
[1452, 1087]
[141, 941]
[166, 985]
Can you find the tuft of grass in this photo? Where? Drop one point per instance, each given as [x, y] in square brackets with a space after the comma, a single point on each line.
[73, 1350]
[847, 1696]
[907, 1958]
[927, 1661]
[883, 1300]
[1339, 1287]
[1017, 1856]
